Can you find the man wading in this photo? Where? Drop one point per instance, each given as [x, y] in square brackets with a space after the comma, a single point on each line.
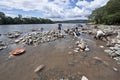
[59, 27]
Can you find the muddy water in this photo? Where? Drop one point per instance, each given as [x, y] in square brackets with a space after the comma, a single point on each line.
[59, 64]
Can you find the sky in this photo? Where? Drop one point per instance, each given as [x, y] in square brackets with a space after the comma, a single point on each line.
[52, 9]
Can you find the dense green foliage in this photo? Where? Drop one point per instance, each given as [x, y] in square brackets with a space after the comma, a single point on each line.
[19, 20]
[72, 21]
[108, 14]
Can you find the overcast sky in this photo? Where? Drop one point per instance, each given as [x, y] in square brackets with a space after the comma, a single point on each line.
[53, 9]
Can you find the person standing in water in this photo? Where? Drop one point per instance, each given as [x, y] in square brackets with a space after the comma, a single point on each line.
[59, 27]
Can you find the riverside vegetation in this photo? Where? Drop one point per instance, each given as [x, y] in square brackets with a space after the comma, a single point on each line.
[22, 20]
[108, 14]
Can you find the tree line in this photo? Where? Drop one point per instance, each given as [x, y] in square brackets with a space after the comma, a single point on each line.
[108, 14]
[22, 20]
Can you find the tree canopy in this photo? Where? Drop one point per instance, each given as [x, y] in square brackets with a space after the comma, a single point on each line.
[108, 14]
[22, 20]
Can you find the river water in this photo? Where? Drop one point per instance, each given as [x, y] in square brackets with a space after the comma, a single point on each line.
[59, 64]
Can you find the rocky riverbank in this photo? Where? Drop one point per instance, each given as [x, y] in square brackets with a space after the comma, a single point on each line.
[112, 45]
[65, 55]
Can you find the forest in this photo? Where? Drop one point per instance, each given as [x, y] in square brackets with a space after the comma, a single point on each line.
[108, 14]
[22, 20]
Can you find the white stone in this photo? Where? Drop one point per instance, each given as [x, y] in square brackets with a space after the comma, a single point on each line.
[115, 69]
[107, 51]
[84, 78]
[101, 46]
[76, 51]
[87, 49]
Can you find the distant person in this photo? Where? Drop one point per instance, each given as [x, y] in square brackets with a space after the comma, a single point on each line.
[59, 27]
[100, 35]
[76, 33]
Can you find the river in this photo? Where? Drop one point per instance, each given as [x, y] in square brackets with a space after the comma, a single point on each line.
[59, 64]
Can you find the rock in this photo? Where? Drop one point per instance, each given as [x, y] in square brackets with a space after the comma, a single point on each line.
[107, 51]
[101, 46]
[17, 51]
[116, 52]
[115, 69]
[10, 56]
[114, 41]
[14, 34]
[100, 60]
[2, 45]
[117, 45]
[33, 38]
[39, 68]
[87, 49]
[97, 58]
[82, 46]
[84, 78]
[70, 53]
[16, 41]
[77, 42]
[116, 58]
[76, 51]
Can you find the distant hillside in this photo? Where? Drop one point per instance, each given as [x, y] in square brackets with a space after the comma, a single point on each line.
[22, 20]
[108, 14]
[72, 21]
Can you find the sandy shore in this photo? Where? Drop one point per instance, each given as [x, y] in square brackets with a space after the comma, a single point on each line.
[61, 62]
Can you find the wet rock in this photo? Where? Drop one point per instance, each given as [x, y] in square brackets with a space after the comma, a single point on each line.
[2, 45]
[97, 58]
[13, 34]
[82, 44]
[101, 46]
[35, 38]
[11, 56]
[18, 51]
[109, 44]
[77, 42]
[71, 63]
[115, 69]
[76, 51]
[87, 49]
[39, 68]
[107, 51]
[112, 48]
[84, 78]
[64, 79]
[117, 58]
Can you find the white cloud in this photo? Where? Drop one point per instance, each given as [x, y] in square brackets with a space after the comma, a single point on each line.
[93, 4]
[55, 9]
